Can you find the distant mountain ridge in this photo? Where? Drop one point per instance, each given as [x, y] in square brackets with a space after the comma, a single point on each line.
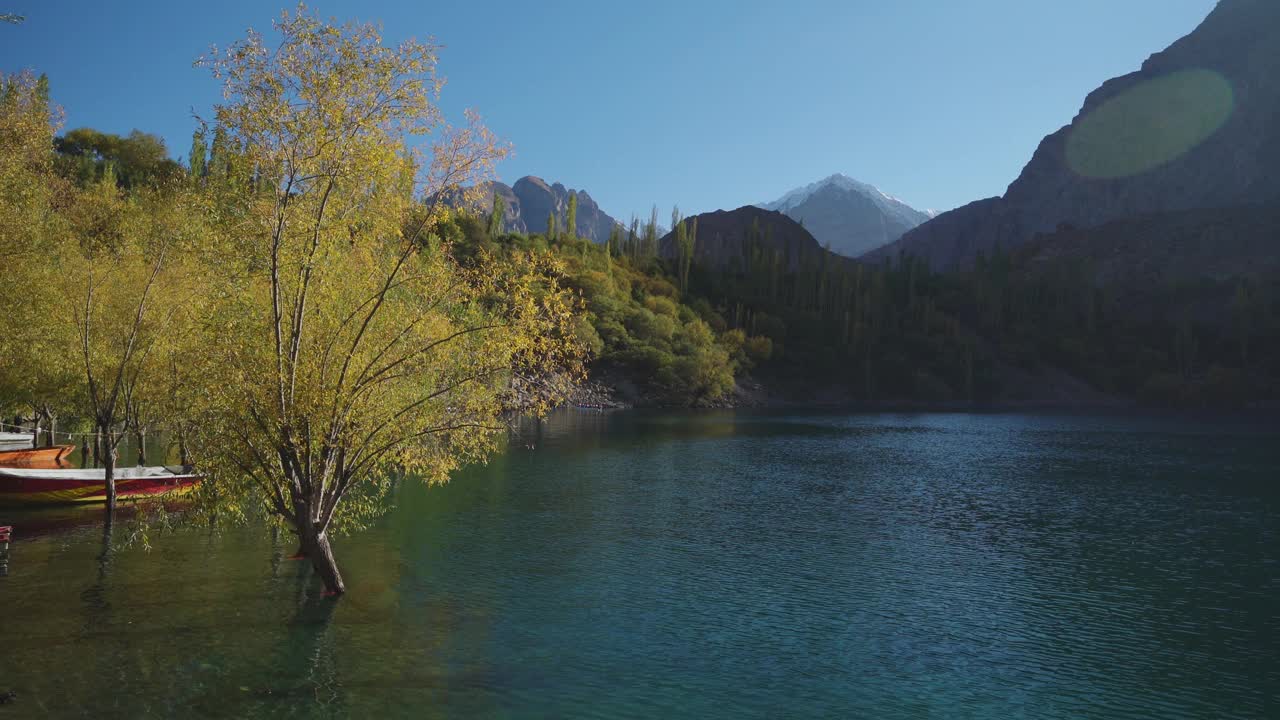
[531, 200]
[1195, 128]
[725, 238]
[848, 216]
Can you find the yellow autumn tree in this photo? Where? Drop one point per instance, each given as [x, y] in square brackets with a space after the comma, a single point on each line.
[128, 292]
[345, 343]
[38, 375]
[96, 285]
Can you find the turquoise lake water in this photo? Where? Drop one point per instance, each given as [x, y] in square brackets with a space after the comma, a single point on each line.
[635, 565]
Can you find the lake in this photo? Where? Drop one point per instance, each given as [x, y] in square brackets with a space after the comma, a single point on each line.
[647, 565]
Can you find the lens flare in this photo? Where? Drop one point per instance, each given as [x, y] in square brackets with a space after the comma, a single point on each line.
[1150, 124]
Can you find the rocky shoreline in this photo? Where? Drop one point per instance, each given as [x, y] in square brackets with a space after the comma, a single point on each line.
[1044, 390]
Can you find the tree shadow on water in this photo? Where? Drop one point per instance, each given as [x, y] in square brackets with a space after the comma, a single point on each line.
[305, 680]
[96, 605]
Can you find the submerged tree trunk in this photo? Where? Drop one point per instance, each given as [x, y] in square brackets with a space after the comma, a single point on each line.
[184, 457]
[315, 545]
[109, 468]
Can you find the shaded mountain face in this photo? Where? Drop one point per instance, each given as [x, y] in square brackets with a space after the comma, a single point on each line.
[847, 216]
[1196, 128]
[727, 238]
[1166, 269]
[531, 201]
[1167, 249]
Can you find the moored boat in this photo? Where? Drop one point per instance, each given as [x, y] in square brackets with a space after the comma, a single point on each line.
[29, 457]
[33, 486]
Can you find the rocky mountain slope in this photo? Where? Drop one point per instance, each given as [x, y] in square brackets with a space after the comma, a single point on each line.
[531, 200]
[847, 216]
[727, 238]
[1195, 128]
[1165, 249]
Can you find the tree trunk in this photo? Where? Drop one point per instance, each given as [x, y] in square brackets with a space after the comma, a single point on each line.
[316, 547]
[141, 437]
[109, 466]
[35, 432]
[184, 458]
[51, 435]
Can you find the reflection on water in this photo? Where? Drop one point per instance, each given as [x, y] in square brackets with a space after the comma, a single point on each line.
[712, 565]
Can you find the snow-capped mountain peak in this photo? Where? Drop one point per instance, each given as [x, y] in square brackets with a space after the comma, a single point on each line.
[848, 215]
[843, 182]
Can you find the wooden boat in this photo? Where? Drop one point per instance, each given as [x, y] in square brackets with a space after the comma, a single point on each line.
[23, 486]
[29, 457]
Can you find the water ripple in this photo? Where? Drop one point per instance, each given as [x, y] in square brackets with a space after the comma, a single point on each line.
[713, 566]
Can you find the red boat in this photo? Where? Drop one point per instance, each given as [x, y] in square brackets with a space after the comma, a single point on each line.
[55, 487]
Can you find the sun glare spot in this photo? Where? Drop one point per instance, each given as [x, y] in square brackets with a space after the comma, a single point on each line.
[1150, 124]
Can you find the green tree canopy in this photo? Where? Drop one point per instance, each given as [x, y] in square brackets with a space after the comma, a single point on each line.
[136, 159]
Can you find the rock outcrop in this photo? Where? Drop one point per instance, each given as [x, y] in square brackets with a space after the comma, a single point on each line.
[532, 200]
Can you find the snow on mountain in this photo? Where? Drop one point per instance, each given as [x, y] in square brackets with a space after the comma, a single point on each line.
[849, 216]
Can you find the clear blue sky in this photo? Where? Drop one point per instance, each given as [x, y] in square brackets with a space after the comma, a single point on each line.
[705, 103]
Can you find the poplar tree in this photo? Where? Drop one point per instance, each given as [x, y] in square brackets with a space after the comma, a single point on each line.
[684, 248]
[651, 234]
[687, 252]
[498, 218]
[571, 219]
[615, 239]
[197, 159]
